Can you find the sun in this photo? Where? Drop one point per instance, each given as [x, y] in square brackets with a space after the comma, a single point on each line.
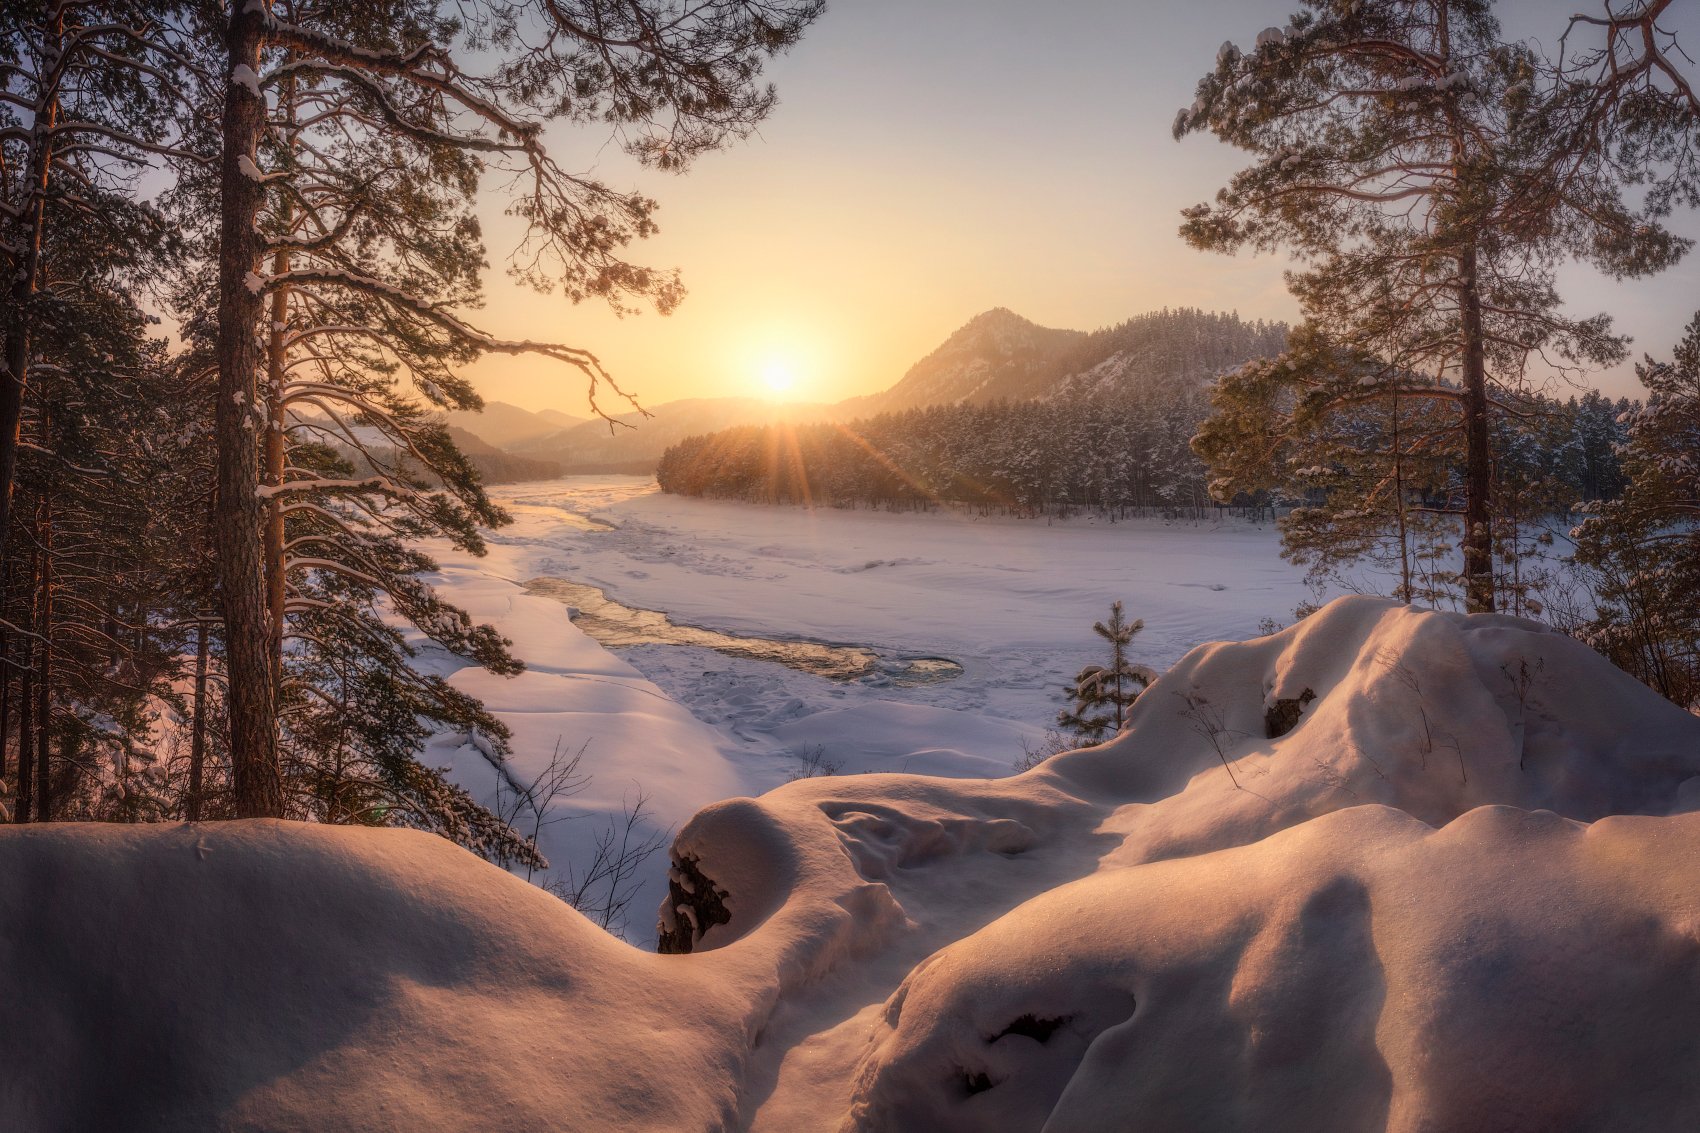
[779, 376]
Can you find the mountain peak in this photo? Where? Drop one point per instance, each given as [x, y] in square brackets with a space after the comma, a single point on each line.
[1003, 314]
[998, 319]
[995, 352]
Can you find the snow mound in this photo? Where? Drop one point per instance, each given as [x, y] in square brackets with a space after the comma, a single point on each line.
[1374, 871]
[270, 975]
[1431, 713]
[1514, 970]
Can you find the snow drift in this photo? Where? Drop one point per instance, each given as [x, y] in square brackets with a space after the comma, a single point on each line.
[1388, 868]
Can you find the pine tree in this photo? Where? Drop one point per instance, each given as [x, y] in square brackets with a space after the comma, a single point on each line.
[107, 550]
[94, 91]
[1101, 695]
[384, 91]
[92, 412]
[1645, 547]
[1398, 153]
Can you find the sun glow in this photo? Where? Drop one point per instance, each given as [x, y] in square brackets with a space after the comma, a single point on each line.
[779, 377]
[781, 362]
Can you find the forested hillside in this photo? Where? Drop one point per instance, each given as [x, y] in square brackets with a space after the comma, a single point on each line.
[1119, 452]
[996, 356]
[498, 467]
[999, 356]
[1031, 457]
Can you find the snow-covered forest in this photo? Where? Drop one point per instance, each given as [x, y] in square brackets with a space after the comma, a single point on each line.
[339, 786]
[1102, 443]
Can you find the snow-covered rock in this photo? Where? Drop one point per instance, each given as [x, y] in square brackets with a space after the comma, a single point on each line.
[1456, 892]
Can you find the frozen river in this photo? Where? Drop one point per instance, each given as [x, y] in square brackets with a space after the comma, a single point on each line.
[704, 713]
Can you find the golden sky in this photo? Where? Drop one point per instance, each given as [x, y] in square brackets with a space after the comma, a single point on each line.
[931, 159]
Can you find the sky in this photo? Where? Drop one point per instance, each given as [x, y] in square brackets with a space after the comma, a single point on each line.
[930, 160]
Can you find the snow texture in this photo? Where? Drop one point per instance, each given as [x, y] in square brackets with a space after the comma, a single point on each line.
[245, 77]
[1456, 893]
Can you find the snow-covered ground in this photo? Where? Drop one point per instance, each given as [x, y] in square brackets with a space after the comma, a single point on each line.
[1010, 600]
[1457, 893]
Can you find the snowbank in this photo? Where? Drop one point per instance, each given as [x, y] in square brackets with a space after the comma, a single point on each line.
[1418, 905]
[263, 975]
[1512, 971]
[575, 696]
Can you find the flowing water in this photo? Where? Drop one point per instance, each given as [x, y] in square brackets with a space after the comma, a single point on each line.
[615, 625]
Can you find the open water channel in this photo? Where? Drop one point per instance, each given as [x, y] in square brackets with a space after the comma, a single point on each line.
[613, 624]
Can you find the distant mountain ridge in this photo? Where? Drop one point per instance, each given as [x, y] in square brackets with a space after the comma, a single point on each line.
[635, 442]
[504, 426]
[997, 355]
[498, 466]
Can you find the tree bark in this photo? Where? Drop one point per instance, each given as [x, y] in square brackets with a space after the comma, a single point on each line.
[26, 279]
[198, 734]
[1399, 500]
[1478, 473]
[5, 701]
[256, 778]
[1478, 468]
[277, 355]
[44, 673]
[26, 701]
[277, 375]
[26, 731]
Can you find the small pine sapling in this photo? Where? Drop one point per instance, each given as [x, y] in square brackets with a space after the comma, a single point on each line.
[1101, 696]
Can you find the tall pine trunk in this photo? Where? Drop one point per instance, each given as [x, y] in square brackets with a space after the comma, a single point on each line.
[1399, 501]
[277, 375]
[256, 778]
[1478, 472]
[198, 734]
[26, 733]
[277, 356]
[26, 278]
[44, 667]
[5, 700]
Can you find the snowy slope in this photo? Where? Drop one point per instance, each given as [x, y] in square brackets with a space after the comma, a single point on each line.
[995, 354]
[1415, 909]
[573, 696]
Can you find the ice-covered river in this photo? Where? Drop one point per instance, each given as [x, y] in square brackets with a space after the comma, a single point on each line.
[709, 654]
